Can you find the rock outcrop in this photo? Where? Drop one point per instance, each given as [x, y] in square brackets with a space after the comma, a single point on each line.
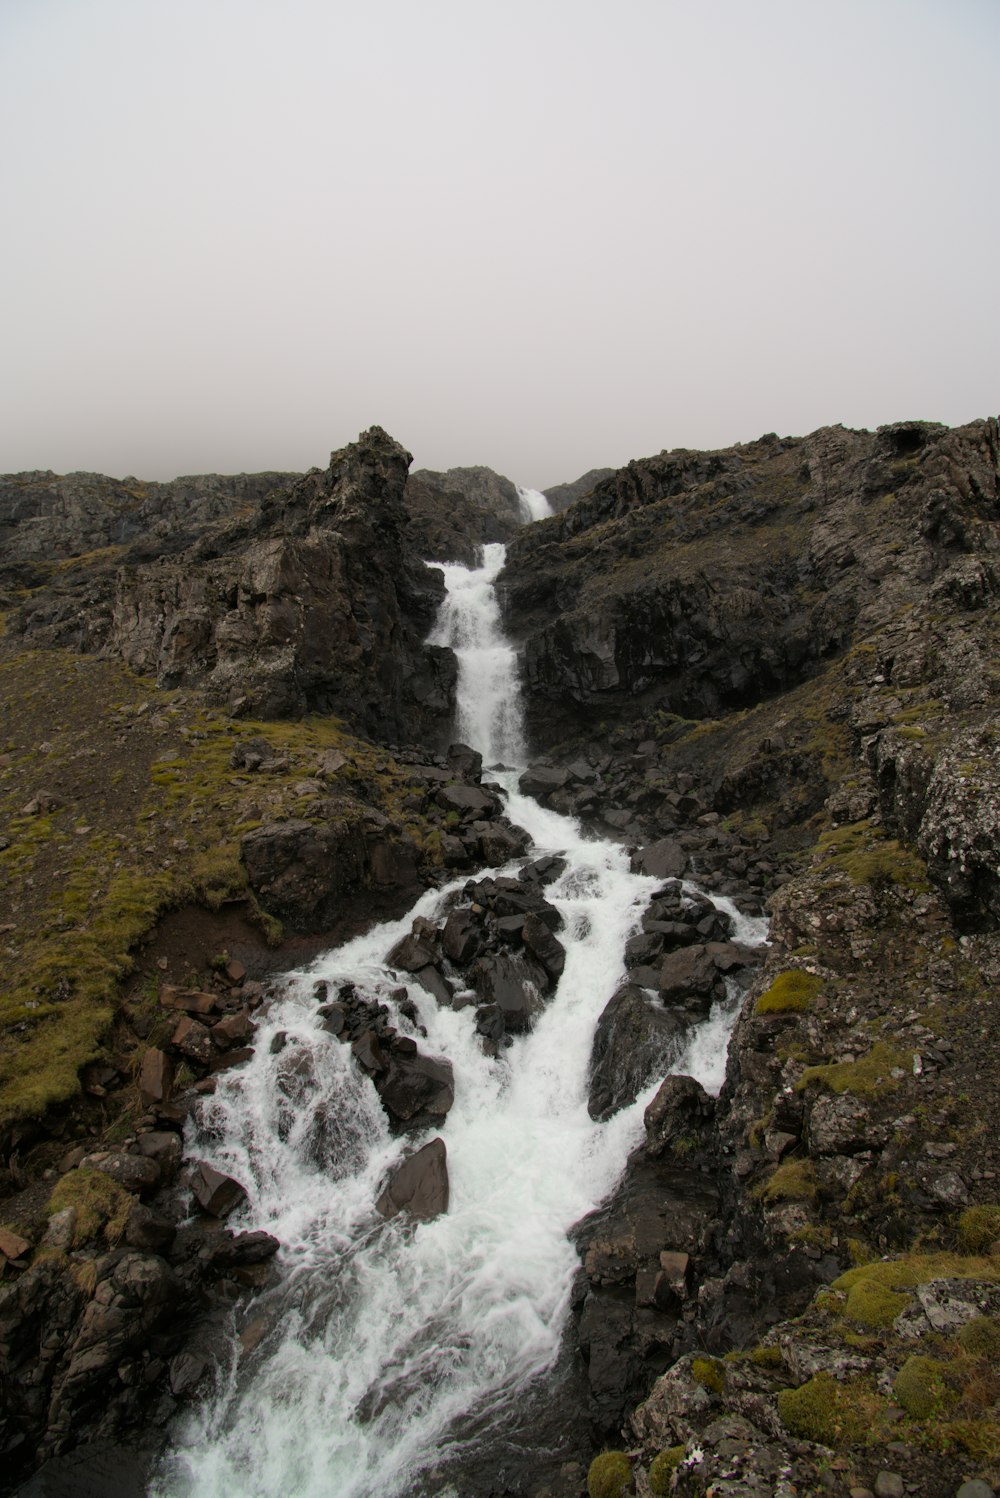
[701, 583]
[311, 600]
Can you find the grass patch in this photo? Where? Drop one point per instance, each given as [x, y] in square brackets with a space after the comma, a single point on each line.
[910, 1270]
[978, 1228]
[153, 817]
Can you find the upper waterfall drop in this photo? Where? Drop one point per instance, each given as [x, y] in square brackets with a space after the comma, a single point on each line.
[534, 505]
[488, 700]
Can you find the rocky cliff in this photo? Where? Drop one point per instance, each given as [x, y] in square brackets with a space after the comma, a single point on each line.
[774, 668]
[312, 599]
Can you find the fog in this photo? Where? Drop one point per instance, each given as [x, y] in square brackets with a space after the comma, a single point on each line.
[546, 236]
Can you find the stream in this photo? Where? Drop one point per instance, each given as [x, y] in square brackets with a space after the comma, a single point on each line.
[385, 1345]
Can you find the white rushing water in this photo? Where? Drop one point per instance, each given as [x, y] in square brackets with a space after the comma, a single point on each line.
[382, 1337]
[534, 504]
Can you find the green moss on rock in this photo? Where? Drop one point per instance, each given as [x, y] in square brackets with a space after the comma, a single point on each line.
[662, 1469]
[830, 1413]
[869, 1074]
[921, 1388]
[791, 992]
[609, 1475]
[709, 1373]
[99, 1205]
[871, 1304]
[793, 1181]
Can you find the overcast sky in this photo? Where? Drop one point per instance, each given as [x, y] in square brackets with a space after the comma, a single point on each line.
[545, 235]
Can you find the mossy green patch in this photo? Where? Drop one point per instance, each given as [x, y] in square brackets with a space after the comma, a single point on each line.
[981, 1338]
[873, 1305]
[709, 1373]
[871, 1073]
[662, 1468]
[767, 1355]
[832, 1413]
[920, 1387]
[909, 1270]
[790, 991]
[793, 1181]
[863, 852]
[609, 1475]
[99, 1204]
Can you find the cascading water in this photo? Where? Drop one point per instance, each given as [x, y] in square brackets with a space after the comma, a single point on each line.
[488, 700]
[534, 504]
[385, 1344]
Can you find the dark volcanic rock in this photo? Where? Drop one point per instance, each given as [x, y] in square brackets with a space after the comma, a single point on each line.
[419, 1186]
[702, 582]
[416, 1091]
[515, 983]
[315, 600]
[635, 1040]
[301, 871]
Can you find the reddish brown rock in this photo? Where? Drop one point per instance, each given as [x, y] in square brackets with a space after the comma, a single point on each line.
[235, 1027]
[192, 1000]
[215, 1193]
[12, 1246]
[156, 1077]
[193, 1040]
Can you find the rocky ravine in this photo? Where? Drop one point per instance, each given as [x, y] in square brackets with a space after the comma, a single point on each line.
[772, 668]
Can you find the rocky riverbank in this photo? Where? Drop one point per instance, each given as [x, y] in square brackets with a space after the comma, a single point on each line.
[772, 670]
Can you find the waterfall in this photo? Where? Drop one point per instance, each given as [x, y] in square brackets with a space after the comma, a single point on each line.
[534, 504]
[384, 1345]
[488, 700]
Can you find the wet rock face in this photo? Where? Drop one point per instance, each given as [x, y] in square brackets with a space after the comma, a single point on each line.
[419, 1186]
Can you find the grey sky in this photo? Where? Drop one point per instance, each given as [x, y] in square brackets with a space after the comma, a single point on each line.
[543, 236]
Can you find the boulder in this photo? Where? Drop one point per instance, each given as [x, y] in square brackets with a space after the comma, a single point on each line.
[466, 762]
[156, 1076]
[419, 1186]
[148, 1230]
[215, 1193]
[635, 1040]
[513, 981]
[193, 1040]
[665, 859]
[541, 780]
[136, 1173]
[462, 939]
[411, 953]
[164, 1147]
[416, 1091]
[541, 943]
[299, 871]
[468, 801]
[689, 976]
[681, 1108]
